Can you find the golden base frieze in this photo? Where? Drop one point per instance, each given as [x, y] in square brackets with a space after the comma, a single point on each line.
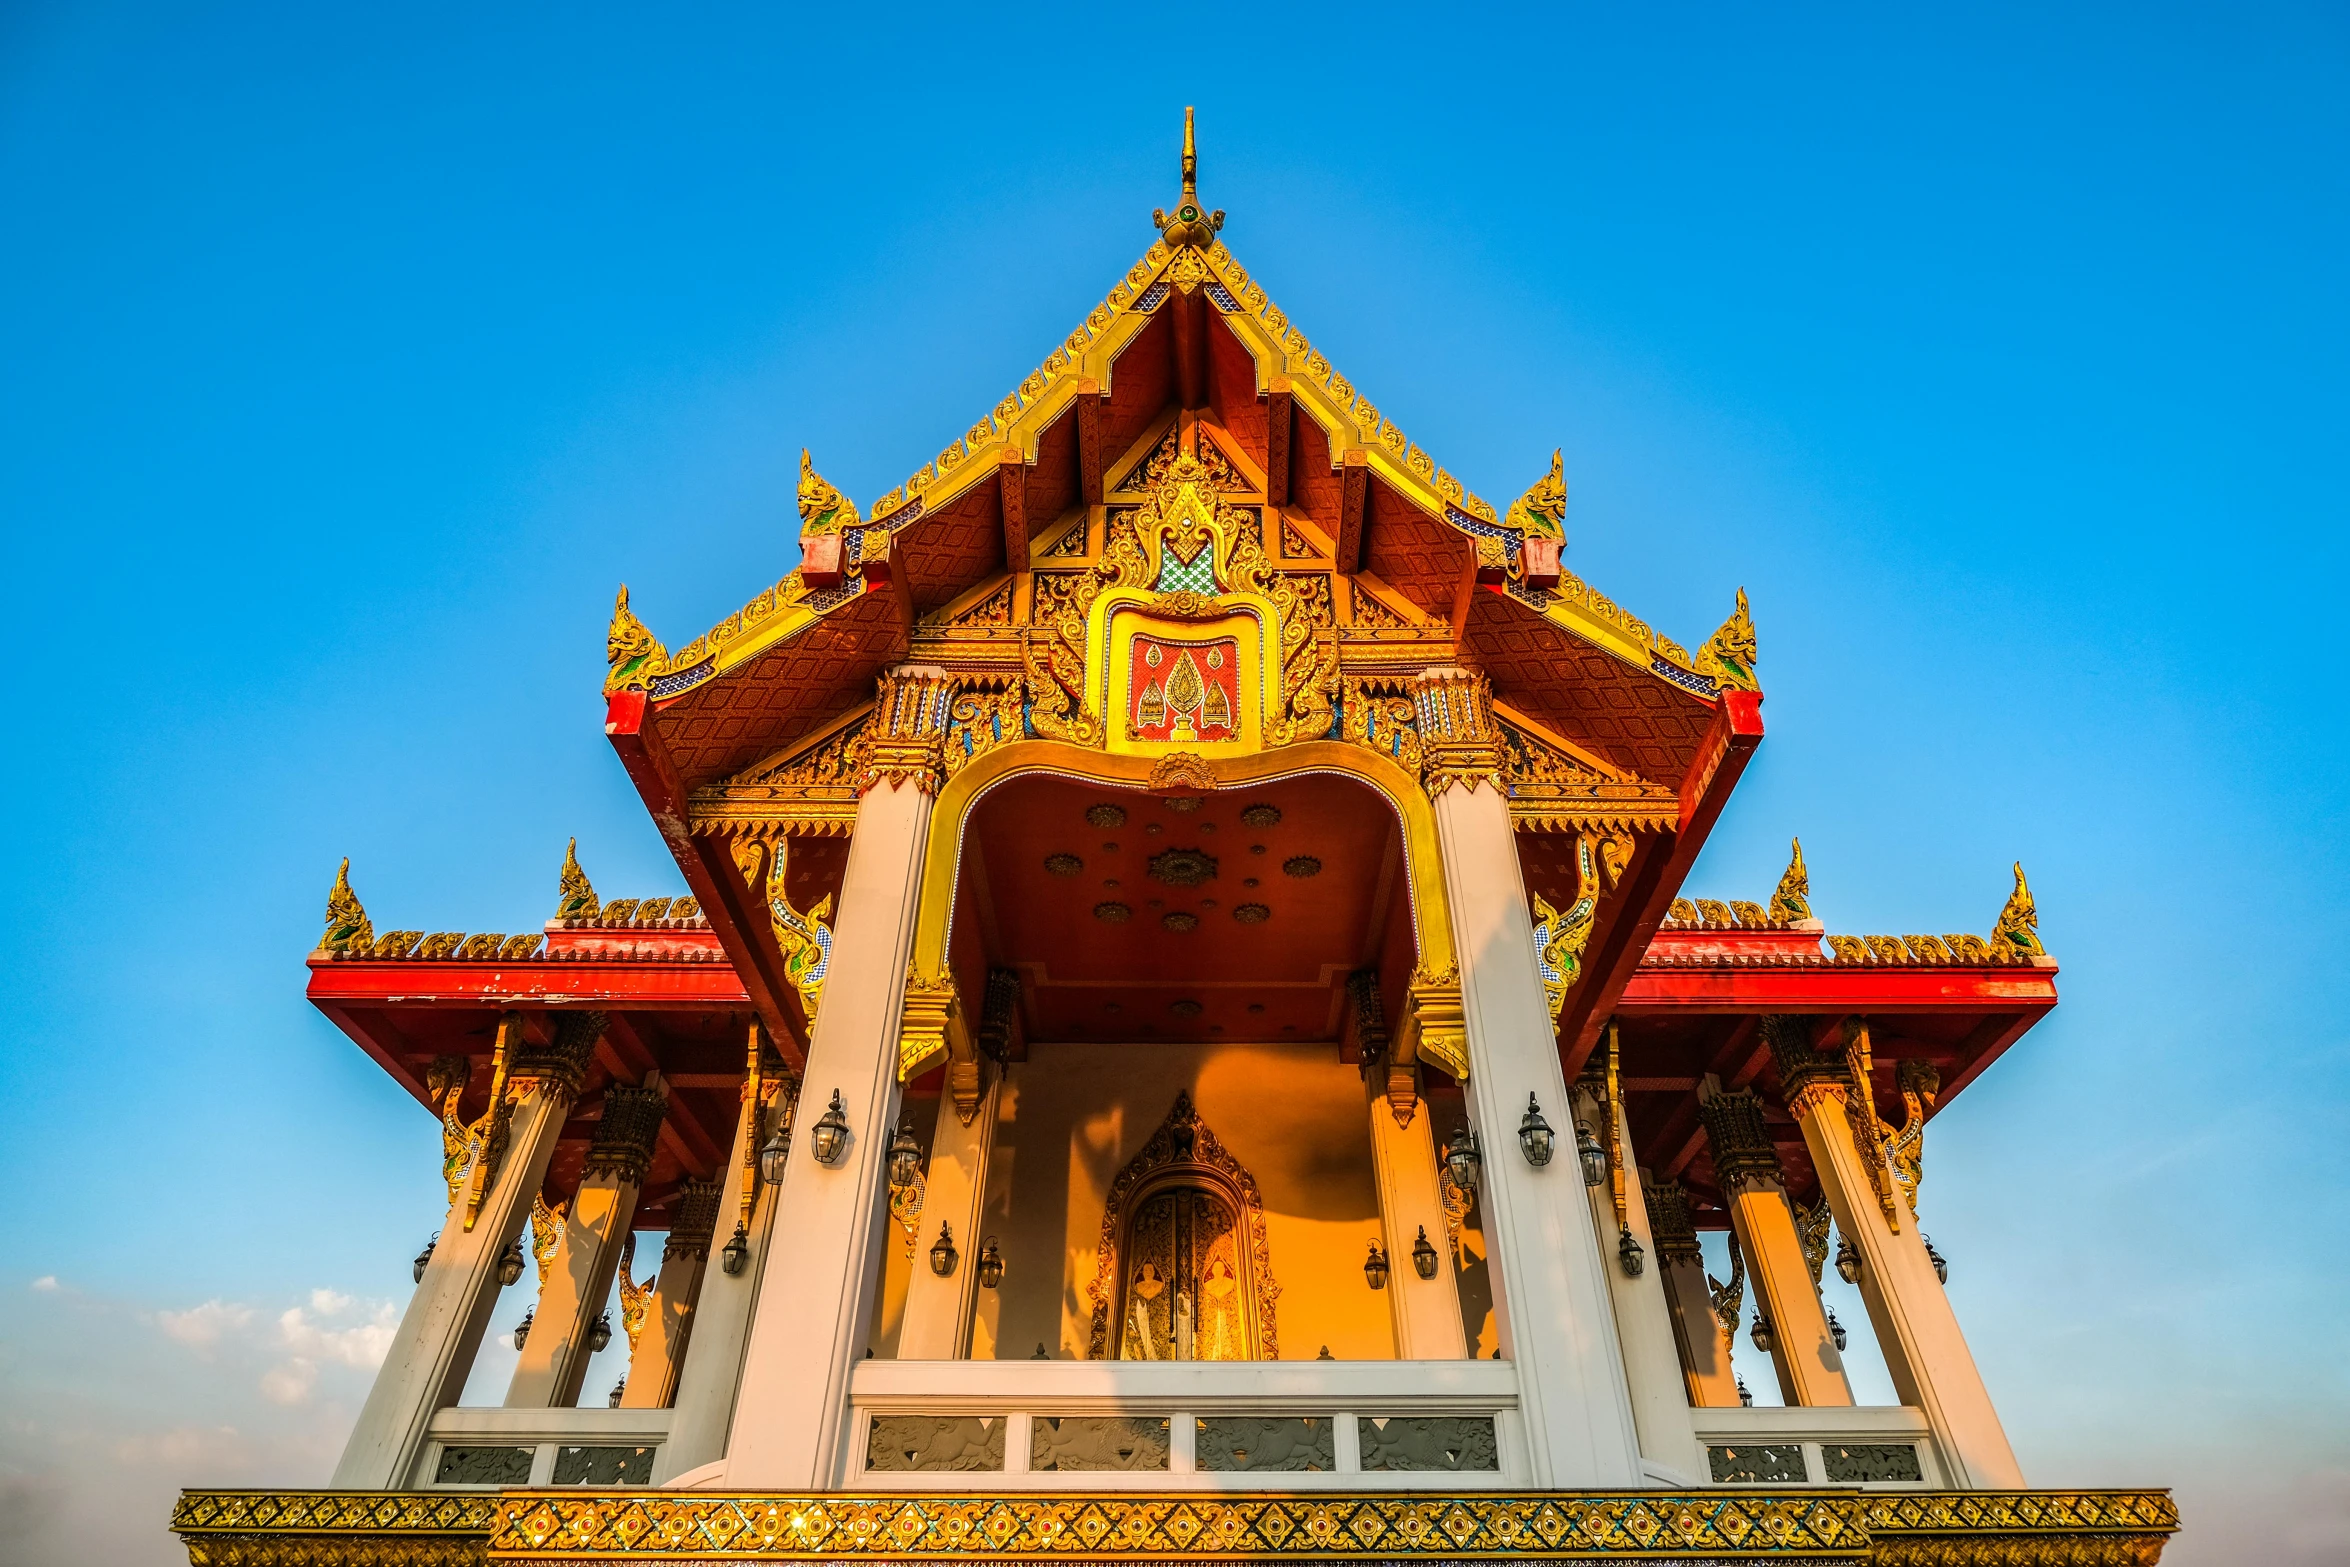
[1790, 1528]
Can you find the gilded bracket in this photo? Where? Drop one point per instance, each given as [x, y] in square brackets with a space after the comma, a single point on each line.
[1434, 1027]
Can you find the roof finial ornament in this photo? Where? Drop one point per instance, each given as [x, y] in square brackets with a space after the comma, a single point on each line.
[1728, 655]
[823, 509]
[1542, 511]
[577, 899]
[1188, 227]
[348, 929]
[1792, 900]
[2017, 940]
[632, 654]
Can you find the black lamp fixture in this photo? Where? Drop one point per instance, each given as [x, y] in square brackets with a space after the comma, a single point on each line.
[1423, 1255]
[1745, 1394]
[1836, 1331]
[736, 1253]
[1941, 1267]
[522, 1328]
[510, 1263]
[1629, 1255]
[942, 1253]
[905, 1158]
[830, 1138]
[991, 1265]
[1462, 1159]
[1590, 1155]
[1375, 1268]
[1762, 1333]
[601, 1334]
[425, 1255]
[618, 1388]
[775, 1153]
[1847, 1260]
[1535, 1135]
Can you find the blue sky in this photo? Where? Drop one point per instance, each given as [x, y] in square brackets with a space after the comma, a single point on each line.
[352, 362]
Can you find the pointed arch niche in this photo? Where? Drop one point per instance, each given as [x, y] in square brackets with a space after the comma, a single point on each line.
[1183, 1218]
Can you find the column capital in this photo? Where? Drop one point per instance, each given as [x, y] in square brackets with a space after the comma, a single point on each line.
[623, 1145]
[1741, 1144]
[558, 1066]
[904, 741]
[1669, 1222]
[693, 1219]
[1459, 739]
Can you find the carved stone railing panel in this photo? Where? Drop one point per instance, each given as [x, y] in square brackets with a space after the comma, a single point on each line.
[483, 1466]
[1097, 1442]
[604, 1466]
[950, 1443]
[1757, 1464]
[1424, 1442]
[1858, 1462]
[1245, 1444]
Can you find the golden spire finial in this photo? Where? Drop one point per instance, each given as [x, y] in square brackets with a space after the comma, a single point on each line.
[348, 929]
[1792, 900]
[1187, 226]
[1541, 512]
[631, 653]
[1728, 655]
[575, 898]
[2017, 939]
[823, 509]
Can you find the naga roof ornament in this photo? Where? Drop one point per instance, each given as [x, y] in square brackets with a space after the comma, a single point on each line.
[1791, 901]
[1187, 228]
[577, 898]
[2017, 938]
[630, 651]
[1542, 511]
[349, 930]
[1728, 655]
[823, 509]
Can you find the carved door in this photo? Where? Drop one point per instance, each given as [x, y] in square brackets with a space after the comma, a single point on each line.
[1185, 1283]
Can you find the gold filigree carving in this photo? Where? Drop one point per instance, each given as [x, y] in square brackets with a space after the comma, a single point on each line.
[1560, 936]
[1811, 1230]
[636, 1298]
[1920, 1084]
[1542, 511]
[575, 897]
[1791, 900]
[485, 1139]
[1729, 1298]
[1434, 1026]
[1181, 770]
[546, 1232]
[1459, 737]
[1869, 1134]
[1728, 655]
[904, 740]
[445, 1081]
[2017, 936]
[823, 509]
[349, 932]
[978, 721]
[932, 1029]
[632, 654]
[1377, 717]
[804, 937]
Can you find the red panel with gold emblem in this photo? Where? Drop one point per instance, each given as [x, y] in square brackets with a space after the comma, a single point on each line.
[1184, 691]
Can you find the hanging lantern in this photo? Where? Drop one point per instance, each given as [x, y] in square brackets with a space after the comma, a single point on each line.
[1745, 1394]
[830, 1138]
[1462, 1159]
[1535, 1135]
[510, 1263]
[1847, 1260]
[425, 1255]
[737, 1252]
[618, 1388]
[942, 1252]
[1762, 1334]
[774, 1154]
[1375, 1268]
[991, 1265]
[905, 1159]
[1424, 1255]
[522, 1328]
[1836, 1331]
[1590, 1155]
[1629, 1255]
[601, 1334]
[1941, 1268]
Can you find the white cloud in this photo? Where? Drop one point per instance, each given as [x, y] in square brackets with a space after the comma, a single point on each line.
[329, 1303]
[46, 1283]
[201, 1327]
[361, 1346]
[291, 1383]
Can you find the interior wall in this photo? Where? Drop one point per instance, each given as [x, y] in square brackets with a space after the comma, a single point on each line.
[1072, 1115]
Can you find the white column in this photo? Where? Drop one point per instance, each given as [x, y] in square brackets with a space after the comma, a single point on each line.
[1698, 1335]
[1551, 1299]
[1933, 1370]
[938, 1311]
[712, 1373]
[1427, 1312]
[1644, 1320]
[1811, 1371]
[818, 1278]
[659, 1350]
[441, 1330]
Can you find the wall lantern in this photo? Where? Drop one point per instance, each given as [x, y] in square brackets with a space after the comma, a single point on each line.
[425, 1255]
[522, 1328]
[1762, 1333]
[774, 1154]
[737, 1252]
[1462, 1159]
[1941, 1268]
[601, 1334]
[1535, 1135]
[1847, 1260]
[905, 1158]
[991, 1265]
[510, 1263]
[830, 1139]
[1745, 1394]
[1592, 1157]
[618, 1388]
[1375, 1268]
[1629, 1255]
[1836, 1331]
[942, 1252]
[1423, 1255]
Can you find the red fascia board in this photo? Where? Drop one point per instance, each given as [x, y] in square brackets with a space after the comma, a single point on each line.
[636, 985]
[1835, 989]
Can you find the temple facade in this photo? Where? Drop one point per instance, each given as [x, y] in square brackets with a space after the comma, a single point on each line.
[1188, 1041]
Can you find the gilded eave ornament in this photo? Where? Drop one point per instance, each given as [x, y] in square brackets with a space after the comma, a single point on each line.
[631, 653]
[1187, 227]
[1559, 937]
[349, 932]
[1541, 512]
[2017, 939]
[1728, 655]
[823, 509]
[576, 898]
[1792, 899]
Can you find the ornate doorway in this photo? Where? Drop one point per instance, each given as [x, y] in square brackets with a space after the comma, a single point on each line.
[1182, 1271]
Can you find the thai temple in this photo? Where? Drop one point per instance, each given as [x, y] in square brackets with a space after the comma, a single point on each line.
[1189, 1041]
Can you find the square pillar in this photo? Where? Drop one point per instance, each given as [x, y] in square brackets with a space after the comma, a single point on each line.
[531, 1089]
[659, 1347]
[1811, 1372]
[1699, 1334]
[1552, 1307]
[579, 1275]
[938, 1311]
